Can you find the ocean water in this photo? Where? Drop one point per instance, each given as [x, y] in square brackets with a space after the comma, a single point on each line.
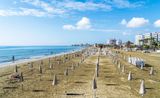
[28, 52]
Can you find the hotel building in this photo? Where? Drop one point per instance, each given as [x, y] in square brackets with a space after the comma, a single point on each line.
[147, 38]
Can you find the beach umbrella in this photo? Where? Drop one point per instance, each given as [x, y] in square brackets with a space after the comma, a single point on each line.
[141, 66]
[119, 65]
[123, 69]
[40, 69]
[41, 62]
[142, 89]
[151, 71]
[72, 67]
[58, 62]
[66, 72]
[98, 60]
[31, 65]
[16, 69]
[77, 64]
[82, 60]
[21, 77]
[130, 76]
[96, 70]
[54, 80]
[94, 84]
[50, 65]
[116, 62]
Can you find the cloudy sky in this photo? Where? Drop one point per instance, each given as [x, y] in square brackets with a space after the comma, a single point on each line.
[63, 22]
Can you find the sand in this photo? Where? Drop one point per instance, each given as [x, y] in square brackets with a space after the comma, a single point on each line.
[111, 83]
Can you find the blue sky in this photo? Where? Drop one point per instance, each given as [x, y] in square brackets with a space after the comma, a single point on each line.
[64, 22]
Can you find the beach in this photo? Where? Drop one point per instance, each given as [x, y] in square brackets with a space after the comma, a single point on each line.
[111, 83]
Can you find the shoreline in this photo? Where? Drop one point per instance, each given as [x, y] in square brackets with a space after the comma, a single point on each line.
[37, 58]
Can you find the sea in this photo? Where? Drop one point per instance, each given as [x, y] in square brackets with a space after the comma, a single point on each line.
[29, 52]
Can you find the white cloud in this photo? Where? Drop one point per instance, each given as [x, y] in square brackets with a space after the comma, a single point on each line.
[157, 23]
[23, 12]
[63, 7]
[125, 3]
[69, 27]
[123, 22]
[137, 22]
[45, 6]
[85, 24]
[82, 6]
[82, 24]
[31, 12]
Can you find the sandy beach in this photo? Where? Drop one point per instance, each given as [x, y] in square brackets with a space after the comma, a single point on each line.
[111, 83]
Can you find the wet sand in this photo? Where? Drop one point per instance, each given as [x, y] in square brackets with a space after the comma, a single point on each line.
[111, 83]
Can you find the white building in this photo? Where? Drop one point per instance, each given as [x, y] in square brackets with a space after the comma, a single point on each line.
[138, 38]
[147, 38]
[119, 42]
[112, 42]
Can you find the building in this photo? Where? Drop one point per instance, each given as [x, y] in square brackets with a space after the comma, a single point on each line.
[119, 42]
[138, 38]
[147, 38]
[112, 42]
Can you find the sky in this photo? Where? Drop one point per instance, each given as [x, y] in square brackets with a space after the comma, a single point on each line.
[65, 22]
